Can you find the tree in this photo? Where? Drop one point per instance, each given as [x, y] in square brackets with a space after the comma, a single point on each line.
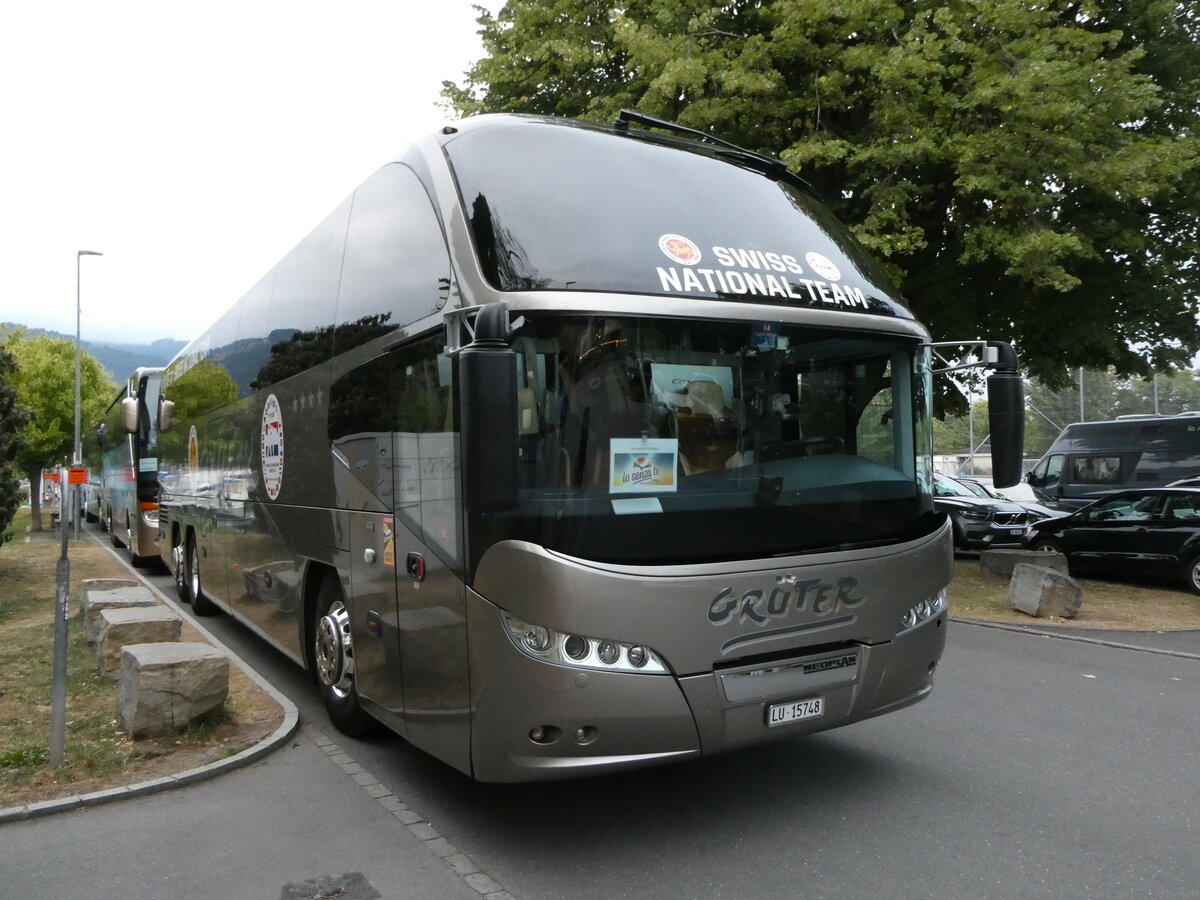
[1028, 171]
[45, 383]
[13, 419]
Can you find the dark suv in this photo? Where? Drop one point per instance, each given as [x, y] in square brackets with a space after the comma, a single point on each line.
[980, 522]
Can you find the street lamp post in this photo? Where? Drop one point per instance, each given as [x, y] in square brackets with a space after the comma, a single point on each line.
[69, 495]
[77, 458]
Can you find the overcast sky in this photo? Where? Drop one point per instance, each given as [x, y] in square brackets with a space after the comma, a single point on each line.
[194, 144]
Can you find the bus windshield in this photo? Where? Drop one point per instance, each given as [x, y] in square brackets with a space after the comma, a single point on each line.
[547, 214]
[148, 416]
[665, 441]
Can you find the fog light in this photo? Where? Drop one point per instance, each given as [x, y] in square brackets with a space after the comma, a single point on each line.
[575, 646]
[608, 652]
[537, 638]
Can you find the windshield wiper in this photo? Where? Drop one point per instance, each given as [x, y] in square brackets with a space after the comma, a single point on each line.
[774, 168]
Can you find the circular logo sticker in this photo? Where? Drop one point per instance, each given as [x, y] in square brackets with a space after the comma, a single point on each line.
[823, 267]
[272, 447]
[680, 249]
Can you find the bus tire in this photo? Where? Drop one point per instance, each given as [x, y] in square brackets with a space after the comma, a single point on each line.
[333, 659]
[108, 526]
[1191, 574]
[201, 605]
[179, 569]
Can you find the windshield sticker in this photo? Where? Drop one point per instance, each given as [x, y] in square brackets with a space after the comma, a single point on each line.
[389, 542]
[679, 249]
[635, 506]
[272, 447]
[642, 464]
[823, 266]
[756, 272]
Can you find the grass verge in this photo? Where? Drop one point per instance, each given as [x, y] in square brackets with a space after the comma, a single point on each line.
[97, 754]
[1118, 606]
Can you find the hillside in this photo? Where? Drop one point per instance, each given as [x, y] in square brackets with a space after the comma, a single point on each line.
[119, 359]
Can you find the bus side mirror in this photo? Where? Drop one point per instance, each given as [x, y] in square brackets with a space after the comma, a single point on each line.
[487, 369]
[129, 414]
[166, 415]
[1006, 417]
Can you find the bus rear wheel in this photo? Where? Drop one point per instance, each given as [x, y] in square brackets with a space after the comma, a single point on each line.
[201, 605]
[108, 526]
[333, 659]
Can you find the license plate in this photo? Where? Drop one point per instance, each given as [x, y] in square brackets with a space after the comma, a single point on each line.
[782, 713]
[1016, 531]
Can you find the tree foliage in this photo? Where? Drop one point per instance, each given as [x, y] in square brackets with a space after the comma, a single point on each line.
[45, 384]
[1028, 171]
[13, 419]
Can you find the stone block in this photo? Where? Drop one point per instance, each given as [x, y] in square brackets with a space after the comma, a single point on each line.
[121, 627]
[998, 565]
[163, 687]
[1043, 592]
[94, 599]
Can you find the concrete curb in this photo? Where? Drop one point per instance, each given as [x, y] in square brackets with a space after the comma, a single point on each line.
[1082, 639]
[291, 721]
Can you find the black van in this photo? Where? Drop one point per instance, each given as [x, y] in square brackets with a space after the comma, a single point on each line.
[1090, 459]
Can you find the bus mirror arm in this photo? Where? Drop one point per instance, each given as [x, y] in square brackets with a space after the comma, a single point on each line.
[1006, 399]
[488, 413]
[166, 414]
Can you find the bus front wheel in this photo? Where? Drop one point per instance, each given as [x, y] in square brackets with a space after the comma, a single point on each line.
[333, 658]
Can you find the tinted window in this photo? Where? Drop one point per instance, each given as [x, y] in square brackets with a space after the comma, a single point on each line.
[304, 300]
[396, 268]
[568, 208]
[246, 355]
[1096, 470]
[391, 422]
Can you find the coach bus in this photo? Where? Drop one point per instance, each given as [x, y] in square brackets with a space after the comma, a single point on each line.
[561, 448]
[124, 448]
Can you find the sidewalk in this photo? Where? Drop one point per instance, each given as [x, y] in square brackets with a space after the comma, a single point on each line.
[297, 824]
[293, 818]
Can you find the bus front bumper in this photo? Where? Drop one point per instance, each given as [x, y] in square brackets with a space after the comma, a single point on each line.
[535, 721]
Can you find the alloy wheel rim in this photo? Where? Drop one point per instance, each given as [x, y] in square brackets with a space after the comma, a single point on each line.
[335, 651]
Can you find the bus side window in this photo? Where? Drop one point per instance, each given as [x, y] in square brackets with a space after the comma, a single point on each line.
[425, 454]
[396, 268]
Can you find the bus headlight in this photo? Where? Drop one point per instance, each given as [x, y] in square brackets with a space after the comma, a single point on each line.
[581, 652]
[927, 610]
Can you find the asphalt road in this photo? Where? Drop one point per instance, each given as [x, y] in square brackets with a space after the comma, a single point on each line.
[1039, 768]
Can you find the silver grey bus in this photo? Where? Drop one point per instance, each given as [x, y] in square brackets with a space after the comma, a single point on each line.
[122, 453]
[560, 449]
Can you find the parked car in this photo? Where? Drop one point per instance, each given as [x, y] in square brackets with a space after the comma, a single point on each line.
[1153, 531]
[983, 489]
[979, 522]
[1193, 481]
